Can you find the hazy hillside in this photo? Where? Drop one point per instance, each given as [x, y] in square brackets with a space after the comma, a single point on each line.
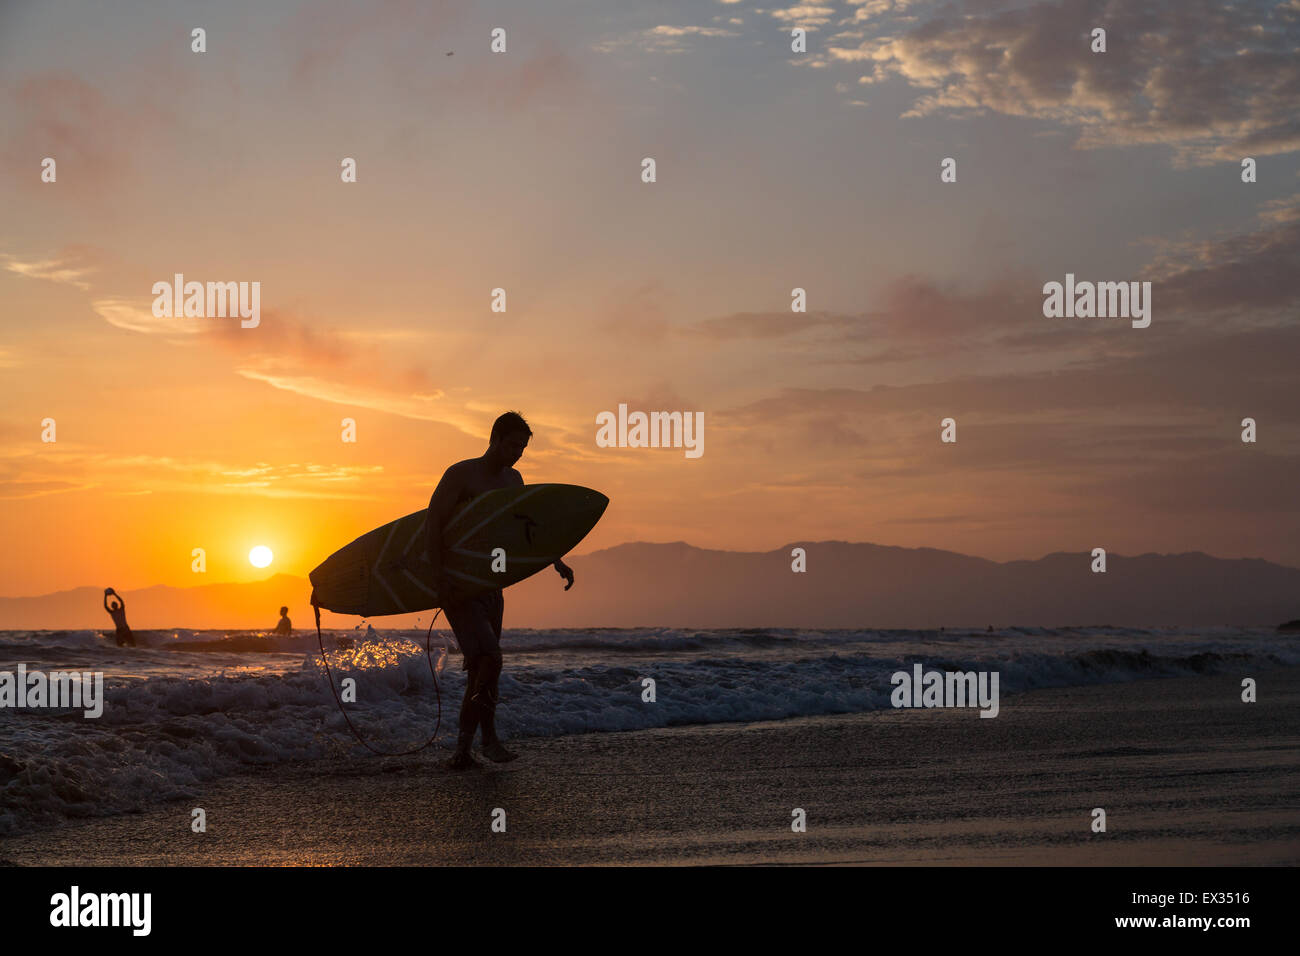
[846, 585]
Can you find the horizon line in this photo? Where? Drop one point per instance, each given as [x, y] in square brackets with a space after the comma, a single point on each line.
[304, 577]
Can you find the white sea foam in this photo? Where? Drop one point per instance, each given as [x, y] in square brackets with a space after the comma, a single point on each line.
[176, 719]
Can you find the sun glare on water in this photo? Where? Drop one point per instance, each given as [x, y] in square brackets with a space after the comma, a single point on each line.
[260, 557]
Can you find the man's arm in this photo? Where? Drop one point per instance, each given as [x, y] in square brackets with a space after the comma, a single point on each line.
[441, 503]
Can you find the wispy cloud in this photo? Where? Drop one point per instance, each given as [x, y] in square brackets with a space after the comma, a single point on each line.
[69, 270]
[806, 15]
[664, 38]
[20, 488]
[91, 130]
[422, 407]
[1248, 272]
[1213, 79]
[43, 474]
[137, 316]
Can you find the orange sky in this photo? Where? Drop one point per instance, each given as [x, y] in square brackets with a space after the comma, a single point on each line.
[522, 171]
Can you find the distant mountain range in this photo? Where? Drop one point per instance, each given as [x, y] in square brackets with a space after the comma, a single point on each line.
[846, 585]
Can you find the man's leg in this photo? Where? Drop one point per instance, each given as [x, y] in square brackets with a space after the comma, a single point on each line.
[472, 625]
[469, 709]
[492, 748]
[490, 672]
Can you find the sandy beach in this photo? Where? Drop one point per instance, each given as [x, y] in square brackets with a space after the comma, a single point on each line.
[1187, 773]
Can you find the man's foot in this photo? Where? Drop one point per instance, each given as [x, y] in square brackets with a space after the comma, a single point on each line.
[494, 751]
[461, 760]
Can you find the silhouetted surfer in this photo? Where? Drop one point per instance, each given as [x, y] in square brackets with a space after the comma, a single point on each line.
[285, 626]
[117, 611]
[477, 621]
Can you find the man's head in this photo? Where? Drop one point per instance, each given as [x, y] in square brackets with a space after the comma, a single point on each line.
[284, 611]
[510, 434]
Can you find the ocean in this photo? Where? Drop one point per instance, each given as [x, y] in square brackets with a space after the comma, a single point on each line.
[190, 706]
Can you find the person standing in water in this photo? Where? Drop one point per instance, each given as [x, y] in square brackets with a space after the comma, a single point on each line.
[117, 611]
[476, 621]
[285, 626]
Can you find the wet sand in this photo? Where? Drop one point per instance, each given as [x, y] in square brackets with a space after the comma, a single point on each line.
[1187, 774]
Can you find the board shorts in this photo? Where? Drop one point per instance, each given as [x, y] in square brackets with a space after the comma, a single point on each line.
[477, 625]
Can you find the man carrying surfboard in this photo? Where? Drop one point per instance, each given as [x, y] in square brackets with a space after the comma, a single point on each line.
[476, 621]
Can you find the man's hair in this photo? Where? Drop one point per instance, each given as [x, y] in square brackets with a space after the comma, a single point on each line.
[507, 424]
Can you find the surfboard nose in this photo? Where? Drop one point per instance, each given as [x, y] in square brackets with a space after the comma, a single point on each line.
[586, 508]
[597, 503]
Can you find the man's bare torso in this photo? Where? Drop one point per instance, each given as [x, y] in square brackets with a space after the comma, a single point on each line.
[472, 478]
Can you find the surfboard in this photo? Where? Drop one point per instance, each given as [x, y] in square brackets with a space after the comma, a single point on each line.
[386, 571]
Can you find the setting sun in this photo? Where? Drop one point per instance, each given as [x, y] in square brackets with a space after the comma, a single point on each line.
[260, 557]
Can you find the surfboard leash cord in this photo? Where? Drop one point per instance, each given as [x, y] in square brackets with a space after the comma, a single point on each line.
[428, 655]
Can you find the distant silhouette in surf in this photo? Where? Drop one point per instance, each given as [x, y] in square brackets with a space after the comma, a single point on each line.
[117, 611]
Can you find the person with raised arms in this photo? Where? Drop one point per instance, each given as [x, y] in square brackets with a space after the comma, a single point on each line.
[117, 611]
